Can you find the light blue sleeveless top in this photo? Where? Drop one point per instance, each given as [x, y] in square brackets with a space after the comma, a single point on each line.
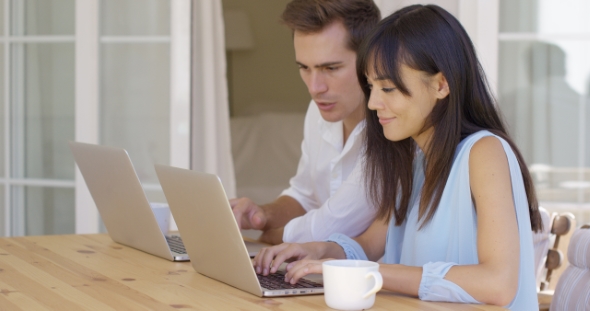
[450, 238]
[451, 235]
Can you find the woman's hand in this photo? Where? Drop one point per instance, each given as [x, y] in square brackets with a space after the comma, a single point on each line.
[301, 268]
[269, 259]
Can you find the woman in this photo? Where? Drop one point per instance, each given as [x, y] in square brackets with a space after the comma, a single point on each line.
[456, 203]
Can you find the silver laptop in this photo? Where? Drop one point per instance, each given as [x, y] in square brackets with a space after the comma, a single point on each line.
[212, 238]
[122, 203]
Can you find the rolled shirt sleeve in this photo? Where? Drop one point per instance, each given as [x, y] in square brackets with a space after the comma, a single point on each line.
[351, 248]
[347, 211]
[434, 286]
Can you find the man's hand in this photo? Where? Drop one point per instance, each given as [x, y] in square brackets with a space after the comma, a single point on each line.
[248, 214]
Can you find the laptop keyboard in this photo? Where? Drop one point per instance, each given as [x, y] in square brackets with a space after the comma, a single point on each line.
[277, 281]
[175, 243]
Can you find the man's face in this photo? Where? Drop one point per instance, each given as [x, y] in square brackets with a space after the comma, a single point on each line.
[328, 69]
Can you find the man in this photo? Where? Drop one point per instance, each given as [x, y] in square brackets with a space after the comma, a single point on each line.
[327, 194]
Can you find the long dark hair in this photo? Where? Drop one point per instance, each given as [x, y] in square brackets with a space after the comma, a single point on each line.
[429, 39]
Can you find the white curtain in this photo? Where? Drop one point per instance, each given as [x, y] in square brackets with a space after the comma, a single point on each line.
[210, 131]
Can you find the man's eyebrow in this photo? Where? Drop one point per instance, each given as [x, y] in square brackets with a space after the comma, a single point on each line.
[328, 64]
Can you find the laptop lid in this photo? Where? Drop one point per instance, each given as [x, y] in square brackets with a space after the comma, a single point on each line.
[210, 232]
[120, 198]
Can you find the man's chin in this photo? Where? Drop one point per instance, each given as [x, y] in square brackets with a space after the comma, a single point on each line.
[331, 116]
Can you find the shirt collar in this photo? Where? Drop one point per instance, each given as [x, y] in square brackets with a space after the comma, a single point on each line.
[332, 132]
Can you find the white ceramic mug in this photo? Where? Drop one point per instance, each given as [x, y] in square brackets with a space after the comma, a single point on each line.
[351, 284]
[162, 214]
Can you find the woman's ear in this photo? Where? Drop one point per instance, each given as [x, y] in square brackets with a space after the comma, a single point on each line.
[441, 85]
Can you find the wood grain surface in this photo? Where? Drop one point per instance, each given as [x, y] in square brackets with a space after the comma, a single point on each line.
[91, 272]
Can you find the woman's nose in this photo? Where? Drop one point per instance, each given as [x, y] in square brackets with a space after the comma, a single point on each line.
[374, 102]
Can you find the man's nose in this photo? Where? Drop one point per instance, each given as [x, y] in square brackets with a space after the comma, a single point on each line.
[317, 84]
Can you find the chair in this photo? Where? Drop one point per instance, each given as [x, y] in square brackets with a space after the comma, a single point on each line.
[573, 288]
[556, 227]
[541, 241]
[560, 226]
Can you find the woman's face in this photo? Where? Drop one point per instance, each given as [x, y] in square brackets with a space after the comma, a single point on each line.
[404, 116]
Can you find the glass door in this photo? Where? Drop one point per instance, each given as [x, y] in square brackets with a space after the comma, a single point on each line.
[544, 93]
[38, 116]
[134, 93]
[99, 71]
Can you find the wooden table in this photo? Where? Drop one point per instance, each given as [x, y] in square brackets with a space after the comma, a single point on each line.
[91, 272]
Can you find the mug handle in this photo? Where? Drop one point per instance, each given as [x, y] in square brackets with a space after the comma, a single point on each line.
[378, 283]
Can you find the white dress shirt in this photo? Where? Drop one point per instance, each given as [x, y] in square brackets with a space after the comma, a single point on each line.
[329, 182]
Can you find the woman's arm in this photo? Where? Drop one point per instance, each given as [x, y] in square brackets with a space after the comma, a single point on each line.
[373, 239]
[495, 279]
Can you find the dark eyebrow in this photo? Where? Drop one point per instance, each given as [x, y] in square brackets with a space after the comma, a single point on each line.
[328, 64]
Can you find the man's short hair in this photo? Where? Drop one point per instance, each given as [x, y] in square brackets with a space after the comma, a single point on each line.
[312, 16]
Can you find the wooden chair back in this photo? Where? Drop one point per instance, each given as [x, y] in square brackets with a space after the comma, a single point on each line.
[560, 226]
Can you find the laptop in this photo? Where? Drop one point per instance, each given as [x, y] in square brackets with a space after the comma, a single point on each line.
[122, 203]
[212, 237]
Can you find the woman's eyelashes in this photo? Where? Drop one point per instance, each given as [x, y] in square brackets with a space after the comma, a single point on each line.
[385, 89]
